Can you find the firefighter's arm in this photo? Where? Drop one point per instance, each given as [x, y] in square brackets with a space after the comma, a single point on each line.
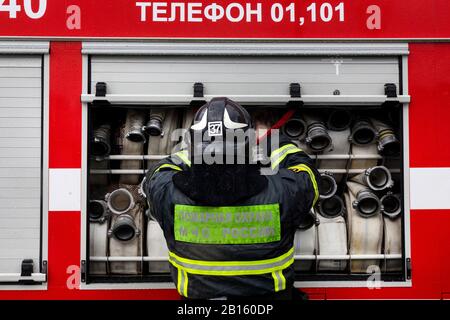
[159, 179]
[299, 177]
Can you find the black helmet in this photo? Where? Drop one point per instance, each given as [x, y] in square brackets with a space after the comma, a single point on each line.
[220, 129]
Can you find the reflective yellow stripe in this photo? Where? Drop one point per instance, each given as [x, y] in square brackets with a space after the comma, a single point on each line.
[232, 263]
[280, 154]
[279, 281]
[186, 280]
[305, 168]
[283, 280]
[183, 155]
[182, 282]
[179, 281]
[170, 166]
[276, 282]
[232, 268]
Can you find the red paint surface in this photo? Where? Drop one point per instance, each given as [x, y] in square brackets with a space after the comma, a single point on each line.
[429, 79]
[400, 19]
[65, 105]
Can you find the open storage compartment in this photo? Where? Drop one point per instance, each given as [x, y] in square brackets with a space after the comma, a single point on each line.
[351, 117]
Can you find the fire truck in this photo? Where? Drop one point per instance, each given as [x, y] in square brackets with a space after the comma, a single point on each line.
[92, 92]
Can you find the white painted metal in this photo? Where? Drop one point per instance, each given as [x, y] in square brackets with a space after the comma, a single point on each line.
[64, 189]
[424, 197]
[24, 47]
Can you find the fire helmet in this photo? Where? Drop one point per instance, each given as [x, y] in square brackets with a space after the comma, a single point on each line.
[220, 130]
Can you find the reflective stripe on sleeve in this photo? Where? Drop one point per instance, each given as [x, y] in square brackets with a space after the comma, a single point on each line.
[305, 168]
[232, 268]
[170, 166]
[277, 156]
[183, 155]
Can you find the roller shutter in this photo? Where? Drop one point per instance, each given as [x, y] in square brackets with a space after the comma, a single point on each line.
[21, 109]
[232, 76]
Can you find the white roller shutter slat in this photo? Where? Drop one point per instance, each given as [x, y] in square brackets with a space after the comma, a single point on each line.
[20, 163]
[244, 75]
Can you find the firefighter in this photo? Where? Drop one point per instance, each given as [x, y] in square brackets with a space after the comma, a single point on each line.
[229, 228]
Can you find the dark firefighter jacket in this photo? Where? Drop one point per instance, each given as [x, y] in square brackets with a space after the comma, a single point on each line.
[244, 249]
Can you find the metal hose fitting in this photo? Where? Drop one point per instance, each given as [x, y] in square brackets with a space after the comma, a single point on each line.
[391, 205]
[308, 221]
[97, 211]
[363, 133]
[376, 178]
[154, 126]
[133, 126]
[328, 186]
[295, 128]
[317, 137]
[388, 144]
[367, 204]
[124, 228]
[339, 120]
[101, 142]
[120, 201]
[331, 207]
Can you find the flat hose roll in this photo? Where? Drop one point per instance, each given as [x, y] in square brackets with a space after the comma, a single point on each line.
[341, 147]
[98, 247]
[332, 240]
[328, 186]
[101, 142]
[162, 145]
[305, 243]
[331, 207]
[97, 211]
[376, 178]
[392, 243]
[154, 126]
[339, 120]
[317, 137]
[363, 133]
[100, 180]
[364, 151]
[366, 203]
[365, 236]
[388, 144]
[157, 248]
[134, 126]
[133, 141]
[126, 235]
